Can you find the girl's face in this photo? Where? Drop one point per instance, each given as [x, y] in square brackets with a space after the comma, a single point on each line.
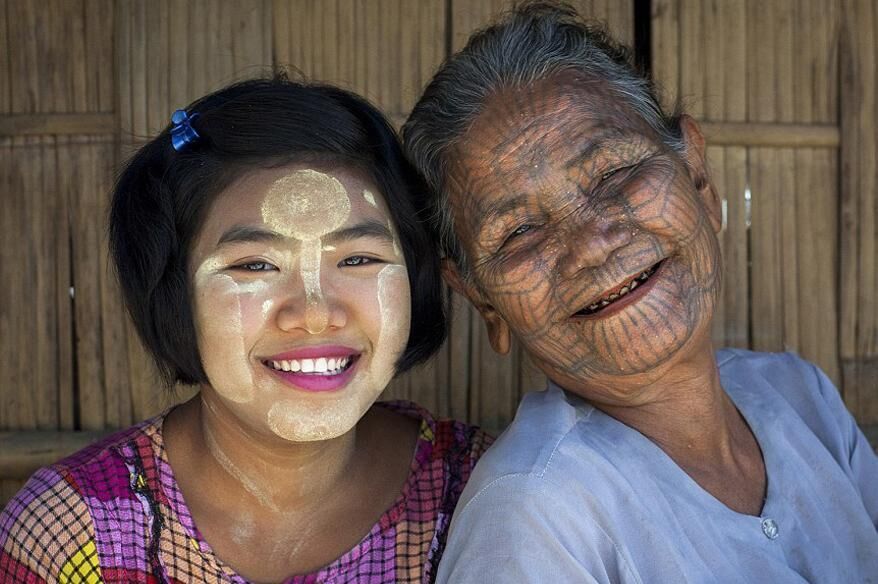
[302, 301]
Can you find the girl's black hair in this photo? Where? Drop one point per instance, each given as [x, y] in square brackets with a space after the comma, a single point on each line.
[162, 197]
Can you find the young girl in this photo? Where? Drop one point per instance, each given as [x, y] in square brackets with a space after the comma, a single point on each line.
[269, 252]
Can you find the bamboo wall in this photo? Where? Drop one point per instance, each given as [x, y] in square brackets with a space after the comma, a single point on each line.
[786, 90]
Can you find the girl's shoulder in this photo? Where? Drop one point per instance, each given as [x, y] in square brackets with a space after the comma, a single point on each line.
[441, 439]
[47, 529]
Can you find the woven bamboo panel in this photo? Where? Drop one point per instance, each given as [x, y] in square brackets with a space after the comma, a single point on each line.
[57, 68]
[766, 64]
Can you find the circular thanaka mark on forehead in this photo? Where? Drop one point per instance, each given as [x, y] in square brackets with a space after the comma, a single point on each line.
[306, 204]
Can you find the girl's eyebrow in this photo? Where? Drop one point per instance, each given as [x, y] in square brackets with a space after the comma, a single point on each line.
[368, 228]
[248, 234]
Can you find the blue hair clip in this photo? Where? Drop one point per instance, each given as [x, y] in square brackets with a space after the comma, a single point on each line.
[182, 133]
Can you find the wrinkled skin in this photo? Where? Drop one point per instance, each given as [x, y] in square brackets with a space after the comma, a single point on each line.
[561, 193]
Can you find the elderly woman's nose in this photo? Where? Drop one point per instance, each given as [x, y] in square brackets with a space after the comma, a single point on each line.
[312, 307]
[590, 245]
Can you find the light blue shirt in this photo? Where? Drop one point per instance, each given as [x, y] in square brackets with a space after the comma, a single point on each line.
[569, 494]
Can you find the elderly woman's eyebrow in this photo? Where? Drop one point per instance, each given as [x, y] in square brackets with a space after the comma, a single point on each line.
[248, 234]
[368, 228]
[495, 209]
[612, 140]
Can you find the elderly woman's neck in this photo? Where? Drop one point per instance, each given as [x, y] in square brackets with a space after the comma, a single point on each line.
[686, 412]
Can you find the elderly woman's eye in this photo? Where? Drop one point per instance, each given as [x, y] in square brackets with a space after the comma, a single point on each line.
[521, 230]
[610, 173]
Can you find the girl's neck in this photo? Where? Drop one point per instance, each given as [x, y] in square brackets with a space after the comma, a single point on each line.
[276, 473]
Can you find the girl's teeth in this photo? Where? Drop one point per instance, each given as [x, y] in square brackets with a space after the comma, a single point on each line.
[321, 365]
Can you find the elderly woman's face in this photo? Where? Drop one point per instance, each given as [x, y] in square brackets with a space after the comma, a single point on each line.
[587, 237]
[301, 300]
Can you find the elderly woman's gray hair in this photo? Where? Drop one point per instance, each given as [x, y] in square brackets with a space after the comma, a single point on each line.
[533, 42]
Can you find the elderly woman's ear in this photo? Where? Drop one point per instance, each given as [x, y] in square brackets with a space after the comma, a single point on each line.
[696, 161]
[498, 331]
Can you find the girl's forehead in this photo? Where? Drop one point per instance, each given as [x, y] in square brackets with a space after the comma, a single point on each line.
[299, 199]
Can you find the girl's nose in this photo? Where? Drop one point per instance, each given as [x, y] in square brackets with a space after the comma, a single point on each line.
[311, 306]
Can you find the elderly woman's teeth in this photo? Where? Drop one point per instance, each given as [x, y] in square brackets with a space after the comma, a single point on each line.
[629, 287]
[319, 366]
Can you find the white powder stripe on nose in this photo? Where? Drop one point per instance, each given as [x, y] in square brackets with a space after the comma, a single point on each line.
[316, 311]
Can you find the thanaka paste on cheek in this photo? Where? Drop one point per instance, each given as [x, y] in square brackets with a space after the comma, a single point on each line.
[306, 205]
[221, 331]
[306, 420]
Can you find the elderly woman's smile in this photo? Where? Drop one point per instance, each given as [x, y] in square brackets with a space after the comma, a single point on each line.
[622, 295]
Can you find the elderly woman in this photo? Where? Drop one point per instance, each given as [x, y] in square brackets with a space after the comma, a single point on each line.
[581, 220]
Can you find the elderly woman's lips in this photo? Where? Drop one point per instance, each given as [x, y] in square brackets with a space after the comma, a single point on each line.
[620, 292]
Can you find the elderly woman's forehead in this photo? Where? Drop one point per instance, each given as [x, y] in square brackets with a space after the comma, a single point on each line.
[537, 120]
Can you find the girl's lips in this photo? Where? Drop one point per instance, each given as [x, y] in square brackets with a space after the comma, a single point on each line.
[316, 382]
[314, 352]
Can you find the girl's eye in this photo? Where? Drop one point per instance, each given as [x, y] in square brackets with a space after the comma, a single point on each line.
[357, 261]
[256, 267]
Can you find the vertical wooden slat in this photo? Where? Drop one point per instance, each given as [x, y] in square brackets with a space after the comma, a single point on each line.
[50, 214]
[99, 58]
[782, 48]
[692, 56]
[713, 96]
[665, 25]
[459, 358]
[5, 52]
[859, 208]
[24, 64]
[766, 291]
[734, 35]
[73, 51]
[178, 64]
[826, 172]
[77, 163]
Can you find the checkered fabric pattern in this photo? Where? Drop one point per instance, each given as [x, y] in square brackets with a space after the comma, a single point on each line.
[113, 513]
